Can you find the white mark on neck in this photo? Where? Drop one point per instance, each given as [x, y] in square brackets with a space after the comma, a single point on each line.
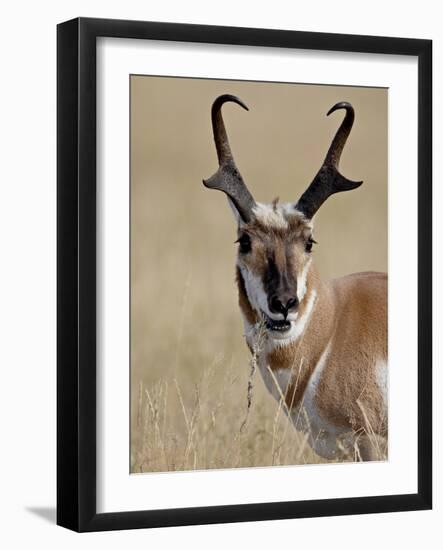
[283, 377]
[307, 417]
[302, 280]
[381, 378]
[311, 388]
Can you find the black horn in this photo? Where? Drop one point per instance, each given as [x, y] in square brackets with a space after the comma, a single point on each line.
[328, 179]
[228, 178]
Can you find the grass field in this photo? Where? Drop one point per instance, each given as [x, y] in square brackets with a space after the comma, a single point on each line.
[190, 367]
[224, 420]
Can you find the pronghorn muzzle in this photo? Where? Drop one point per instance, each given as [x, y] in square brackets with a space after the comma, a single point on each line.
[282, 303]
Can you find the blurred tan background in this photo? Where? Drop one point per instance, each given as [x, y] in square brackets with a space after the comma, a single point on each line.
[184, 313]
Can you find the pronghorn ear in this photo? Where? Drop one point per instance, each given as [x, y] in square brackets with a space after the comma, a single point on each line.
[237, 216]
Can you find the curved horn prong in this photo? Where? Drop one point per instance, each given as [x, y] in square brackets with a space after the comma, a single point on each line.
[328, 179]
[228, 178]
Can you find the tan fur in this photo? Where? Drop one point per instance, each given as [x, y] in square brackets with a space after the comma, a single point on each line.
[276, 238]
[348, 393]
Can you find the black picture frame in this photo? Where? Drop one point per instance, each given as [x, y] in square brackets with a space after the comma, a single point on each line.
[76, 278]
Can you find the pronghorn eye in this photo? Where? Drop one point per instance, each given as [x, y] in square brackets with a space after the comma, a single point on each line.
[245, 244]
[309, 243]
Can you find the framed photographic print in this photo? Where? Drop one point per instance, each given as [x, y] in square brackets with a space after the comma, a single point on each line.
[263, 352]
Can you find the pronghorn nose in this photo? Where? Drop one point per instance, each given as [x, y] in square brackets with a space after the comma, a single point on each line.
[282, 304]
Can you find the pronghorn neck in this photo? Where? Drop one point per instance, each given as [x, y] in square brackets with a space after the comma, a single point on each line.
[297, 355]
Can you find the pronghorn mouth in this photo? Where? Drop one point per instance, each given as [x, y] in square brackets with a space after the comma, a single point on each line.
[281, 325]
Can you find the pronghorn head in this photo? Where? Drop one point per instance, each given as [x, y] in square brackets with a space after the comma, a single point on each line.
[275, 241]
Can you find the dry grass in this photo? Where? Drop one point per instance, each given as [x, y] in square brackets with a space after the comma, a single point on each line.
[207, 426]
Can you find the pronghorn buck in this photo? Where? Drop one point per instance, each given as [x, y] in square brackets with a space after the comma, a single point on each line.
[321, 345]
